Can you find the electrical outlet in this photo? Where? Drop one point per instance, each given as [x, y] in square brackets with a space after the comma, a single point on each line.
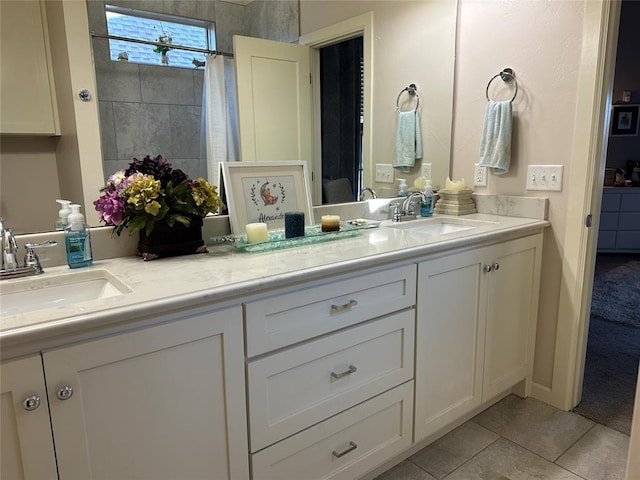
[426, 170]
[479, 175]
[544, 177]
[384, 173]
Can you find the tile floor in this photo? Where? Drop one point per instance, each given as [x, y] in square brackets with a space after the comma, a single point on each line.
[520, 439]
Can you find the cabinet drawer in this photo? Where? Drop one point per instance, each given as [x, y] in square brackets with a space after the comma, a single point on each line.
[630, 203]
[610, 201]
[606, 239]
[282, 320]
[345, 446]
[301, 386]
[629, 221]
[609, 221]
[628, 240]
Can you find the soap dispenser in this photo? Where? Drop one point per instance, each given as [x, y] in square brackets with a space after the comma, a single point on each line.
[402, 188]
[77, 241]
[63, 214]
[426, 207]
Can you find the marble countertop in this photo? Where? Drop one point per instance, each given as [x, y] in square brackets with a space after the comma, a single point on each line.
[224, 275]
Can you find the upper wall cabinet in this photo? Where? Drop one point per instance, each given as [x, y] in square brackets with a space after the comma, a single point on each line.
[27, 98]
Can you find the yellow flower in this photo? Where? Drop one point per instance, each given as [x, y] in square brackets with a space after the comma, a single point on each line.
[143, 192]
[205, 193]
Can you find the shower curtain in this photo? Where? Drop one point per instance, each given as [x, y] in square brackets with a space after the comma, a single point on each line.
[219, 132]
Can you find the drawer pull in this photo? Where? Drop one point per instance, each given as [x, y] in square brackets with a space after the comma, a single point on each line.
[349, 371]
[343, 307]
[352, 446]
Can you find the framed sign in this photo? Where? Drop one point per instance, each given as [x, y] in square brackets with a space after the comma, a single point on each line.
[264, 191]
[624, 120]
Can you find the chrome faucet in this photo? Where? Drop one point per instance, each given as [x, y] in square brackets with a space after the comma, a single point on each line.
[9, 249]
[407, 209]
[367, 189]
[31, 258]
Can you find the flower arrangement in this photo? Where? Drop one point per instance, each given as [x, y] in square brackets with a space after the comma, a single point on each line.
[151, 191]
[166, 39]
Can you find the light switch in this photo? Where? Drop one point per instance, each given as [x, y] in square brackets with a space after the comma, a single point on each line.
[544, 177]
[384, 173]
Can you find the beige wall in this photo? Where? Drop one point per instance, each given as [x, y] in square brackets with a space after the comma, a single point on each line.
[413, 42]
[542, 42]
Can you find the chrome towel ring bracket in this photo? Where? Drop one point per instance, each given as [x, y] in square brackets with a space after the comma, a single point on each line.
[507, 75]
[412, 90]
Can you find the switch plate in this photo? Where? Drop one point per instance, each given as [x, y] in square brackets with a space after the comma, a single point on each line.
[426, 170]
[384, 173]
[479, 175]
[544, 177]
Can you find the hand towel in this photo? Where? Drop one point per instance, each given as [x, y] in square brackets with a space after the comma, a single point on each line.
[495, 144]
[408, 145]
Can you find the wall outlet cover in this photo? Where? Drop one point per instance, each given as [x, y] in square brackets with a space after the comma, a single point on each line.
[426, 170]
[479, 175]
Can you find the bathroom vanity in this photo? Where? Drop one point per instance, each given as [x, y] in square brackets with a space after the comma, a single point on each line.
[321, 361]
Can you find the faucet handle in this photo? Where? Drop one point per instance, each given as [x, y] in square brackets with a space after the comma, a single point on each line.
[30, 257]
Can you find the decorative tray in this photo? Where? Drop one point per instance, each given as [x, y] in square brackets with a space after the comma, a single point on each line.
[312, 234]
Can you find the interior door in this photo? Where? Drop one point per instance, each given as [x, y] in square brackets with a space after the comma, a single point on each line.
[274, 100]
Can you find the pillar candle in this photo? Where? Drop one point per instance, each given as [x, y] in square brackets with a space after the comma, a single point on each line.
[330, 223]
[293, 224]
[257, 232]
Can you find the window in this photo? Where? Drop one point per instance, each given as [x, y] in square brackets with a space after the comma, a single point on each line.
[156, 27]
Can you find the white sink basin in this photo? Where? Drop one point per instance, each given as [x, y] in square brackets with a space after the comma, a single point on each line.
[42, 291]
[434, 226]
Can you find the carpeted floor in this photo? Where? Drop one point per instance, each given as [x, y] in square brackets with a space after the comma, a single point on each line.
[613, 348]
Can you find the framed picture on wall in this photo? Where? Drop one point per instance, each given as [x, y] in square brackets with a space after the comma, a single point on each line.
[624, 120]
[264, 191]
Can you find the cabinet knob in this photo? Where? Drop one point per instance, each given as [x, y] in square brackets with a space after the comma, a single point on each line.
[488, 268]
[496, 266]
[31, 402]
[65, 393]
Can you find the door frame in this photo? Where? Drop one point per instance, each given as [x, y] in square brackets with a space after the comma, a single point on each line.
[361, 25]
[588, 159]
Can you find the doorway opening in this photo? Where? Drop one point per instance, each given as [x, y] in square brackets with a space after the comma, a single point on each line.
[613, 343]
[342, 119]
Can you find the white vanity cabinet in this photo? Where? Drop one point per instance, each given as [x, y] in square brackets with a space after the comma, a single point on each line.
[166, 401]
[329, 376]
[28, 103]
[26, 446]
[475, 328]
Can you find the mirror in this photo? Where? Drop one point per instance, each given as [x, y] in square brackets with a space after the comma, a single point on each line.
[426, 57]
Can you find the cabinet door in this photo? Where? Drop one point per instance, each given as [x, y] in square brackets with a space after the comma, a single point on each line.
[449, 340]
[25, 437]
[512, 310]
[27, 105]
[163, 402]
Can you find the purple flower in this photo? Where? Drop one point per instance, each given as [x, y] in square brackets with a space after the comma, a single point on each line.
[110, 207]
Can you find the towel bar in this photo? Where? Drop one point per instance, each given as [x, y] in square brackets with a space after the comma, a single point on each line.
[506, 75]
[411, 90]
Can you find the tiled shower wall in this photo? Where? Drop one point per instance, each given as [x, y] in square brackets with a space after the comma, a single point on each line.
[157, 110]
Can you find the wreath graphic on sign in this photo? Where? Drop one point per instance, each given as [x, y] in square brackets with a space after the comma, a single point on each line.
[264, 195]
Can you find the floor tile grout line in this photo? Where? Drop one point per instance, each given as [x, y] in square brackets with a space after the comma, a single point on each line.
[468, 460]
[577, 440]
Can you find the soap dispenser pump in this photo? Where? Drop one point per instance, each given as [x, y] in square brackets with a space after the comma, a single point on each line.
[77, 240]
[402, 188]
[63, 214]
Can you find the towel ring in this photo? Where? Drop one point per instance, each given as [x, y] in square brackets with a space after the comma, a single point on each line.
[506, 75]
[411, 90]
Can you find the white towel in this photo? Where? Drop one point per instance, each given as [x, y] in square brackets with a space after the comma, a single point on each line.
[408, 145]
[495, 144]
